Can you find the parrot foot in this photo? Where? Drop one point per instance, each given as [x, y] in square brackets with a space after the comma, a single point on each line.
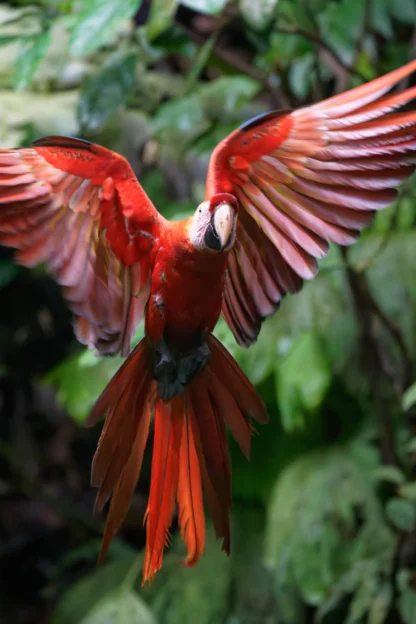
[193, 363]
[175, 371]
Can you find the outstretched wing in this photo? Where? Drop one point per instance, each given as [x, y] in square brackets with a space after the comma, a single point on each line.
[78, 208]
[304, 179]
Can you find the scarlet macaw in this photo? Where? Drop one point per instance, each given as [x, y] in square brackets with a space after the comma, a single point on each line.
[279, 189]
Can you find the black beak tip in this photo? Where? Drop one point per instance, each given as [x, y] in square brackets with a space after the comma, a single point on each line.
[212, 240]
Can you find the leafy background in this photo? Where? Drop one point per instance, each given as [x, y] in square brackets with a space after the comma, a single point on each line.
[324, 515]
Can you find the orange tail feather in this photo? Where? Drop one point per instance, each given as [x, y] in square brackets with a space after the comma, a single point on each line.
[164, 481]
[117, 461]
[190, 503]
[190, 453]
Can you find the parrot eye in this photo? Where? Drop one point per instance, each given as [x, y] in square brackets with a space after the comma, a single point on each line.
[211, 239]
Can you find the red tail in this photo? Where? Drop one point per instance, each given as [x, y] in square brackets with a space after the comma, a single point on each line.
[190, 452]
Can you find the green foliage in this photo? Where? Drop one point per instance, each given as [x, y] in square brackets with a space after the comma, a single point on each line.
[103, 95]
[97, 23]
[302, 380]
[409, 397]
[401, 513]
[120, 609]
[80, 380]
[314, 539]
[328, 502]
[31, 55]
[259, 14]
[100, 595]
[179, 593]
[206, 6]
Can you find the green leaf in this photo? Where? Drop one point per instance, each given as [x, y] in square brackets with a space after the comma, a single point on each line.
[390, 276]
[79, 381]
[181, 595]
[80, 599]
[227, 94]
[405, 11]
[178, 123]
[31, 55]
[103, 94]
[407, 606]
[121, 608]
[380, 605]
[302, 74]
[341, 25]
[302, 379]
[97, 23]
[29, 15]
[201, 60]
[363, 597]
[258, 14]
[409, 397]
[160, 18]
[380, 17]
[411, 445]
[286, 48]
[8, 271]
[211, 7]
[312, 535]
[402, 513]
[391, 474]
[253, 584]
[408, 490]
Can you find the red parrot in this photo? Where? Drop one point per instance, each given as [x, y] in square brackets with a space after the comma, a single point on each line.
[279, 189]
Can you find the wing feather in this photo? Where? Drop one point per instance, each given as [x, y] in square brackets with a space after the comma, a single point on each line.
[78, 208]
[304, 179]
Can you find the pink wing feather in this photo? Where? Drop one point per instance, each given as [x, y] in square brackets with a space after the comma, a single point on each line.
[304, 179]
[78, 208]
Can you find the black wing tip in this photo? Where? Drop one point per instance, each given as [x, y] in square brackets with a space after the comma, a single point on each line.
[63, 141]
[259, 119]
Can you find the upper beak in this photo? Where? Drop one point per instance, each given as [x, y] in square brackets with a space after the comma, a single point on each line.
[223, 223]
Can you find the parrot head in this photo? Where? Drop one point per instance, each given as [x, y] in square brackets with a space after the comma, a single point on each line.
[213, 226]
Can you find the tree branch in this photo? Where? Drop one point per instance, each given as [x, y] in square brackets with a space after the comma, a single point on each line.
[374, 364]
[317, 40]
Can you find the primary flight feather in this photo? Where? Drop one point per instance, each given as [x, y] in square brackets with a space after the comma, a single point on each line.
[279, 189]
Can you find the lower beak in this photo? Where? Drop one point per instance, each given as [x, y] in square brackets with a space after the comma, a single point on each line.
[223, 223]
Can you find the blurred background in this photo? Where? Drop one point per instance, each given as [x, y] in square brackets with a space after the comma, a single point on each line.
[324, 515]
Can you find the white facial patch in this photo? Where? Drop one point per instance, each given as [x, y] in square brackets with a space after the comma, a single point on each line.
[224, 220]
[200, 223]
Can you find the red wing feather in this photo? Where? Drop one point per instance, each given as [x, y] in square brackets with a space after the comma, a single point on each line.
[78, 208]
[304, 179]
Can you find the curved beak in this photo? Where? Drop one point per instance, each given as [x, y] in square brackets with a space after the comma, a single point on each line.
[223, 221]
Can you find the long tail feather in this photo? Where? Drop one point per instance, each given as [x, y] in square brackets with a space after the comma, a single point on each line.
[190, 453]
[164, 481]
[190, 503]
[213, 441]
[125, 486]
[138, 357]
[238, 384]
[127, 400]
[227, 407]
[219, 513]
